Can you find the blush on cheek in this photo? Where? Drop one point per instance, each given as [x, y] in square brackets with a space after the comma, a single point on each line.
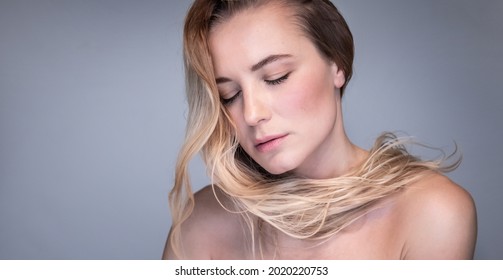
[301, 100]
[300, 97]
[312, 97]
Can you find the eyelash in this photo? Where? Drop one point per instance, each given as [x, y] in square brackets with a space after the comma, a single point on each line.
[228, 101]
[277, 81]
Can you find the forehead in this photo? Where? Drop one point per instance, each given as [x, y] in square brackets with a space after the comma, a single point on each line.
[265, 8]
[253, 33]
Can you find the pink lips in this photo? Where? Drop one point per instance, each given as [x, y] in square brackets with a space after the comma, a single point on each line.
[269, 143]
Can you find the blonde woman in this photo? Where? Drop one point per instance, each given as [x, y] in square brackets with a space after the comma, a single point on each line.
[264, 87]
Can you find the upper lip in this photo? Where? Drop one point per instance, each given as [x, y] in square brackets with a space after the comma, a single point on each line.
[265, 139]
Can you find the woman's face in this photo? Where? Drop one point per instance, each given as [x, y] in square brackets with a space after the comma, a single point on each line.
[279, 91]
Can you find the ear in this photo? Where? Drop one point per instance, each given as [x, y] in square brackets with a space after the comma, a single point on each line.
[339, 77]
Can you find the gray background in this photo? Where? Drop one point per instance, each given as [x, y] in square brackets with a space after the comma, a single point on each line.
[92, 113]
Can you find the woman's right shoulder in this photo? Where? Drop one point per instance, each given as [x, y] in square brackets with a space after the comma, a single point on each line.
[212, 206]
[213, 229]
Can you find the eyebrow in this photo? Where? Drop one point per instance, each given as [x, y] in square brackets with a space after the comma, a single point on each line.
[257, 66]
[222, 80]
[268, 60]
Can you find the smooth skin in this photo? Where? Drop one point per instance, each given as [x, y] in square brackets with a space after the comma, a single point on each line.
[276, 85]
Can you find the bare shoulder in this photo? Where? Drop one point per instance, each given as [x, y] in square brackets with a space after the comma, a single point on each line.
[211, 230]
[439, 219]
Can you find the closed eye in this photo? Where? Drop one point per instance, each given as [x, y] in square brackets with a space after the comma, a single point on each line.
[278, 80]
[228, 101]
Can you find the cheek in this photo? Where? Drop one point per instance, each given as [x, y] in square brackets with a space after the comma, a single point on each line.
[309, 96]
[236, 116]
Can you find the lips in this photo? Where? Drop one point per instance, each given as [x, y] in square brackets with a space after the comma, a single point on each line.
[269, 143]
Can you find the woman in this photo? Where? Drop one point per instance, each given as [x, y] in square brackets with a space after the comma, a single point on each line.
[264, 84]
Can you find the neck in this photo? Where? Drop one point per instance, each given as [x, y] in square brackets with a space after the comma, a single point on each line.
[336, 157]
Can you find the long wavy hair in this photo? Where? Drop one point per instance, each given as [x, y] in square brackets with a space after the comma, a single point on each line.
[299, 207]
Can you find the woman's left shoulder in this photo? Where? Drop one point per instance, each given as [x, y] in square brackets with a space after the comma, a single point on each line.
[440, 219]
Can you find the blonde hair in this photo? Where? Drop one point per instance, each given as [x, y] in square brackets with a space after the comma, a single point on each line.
[299, 207]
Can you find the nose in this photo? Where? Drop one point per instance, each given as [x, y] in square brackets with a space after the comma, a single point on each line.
[256, 107]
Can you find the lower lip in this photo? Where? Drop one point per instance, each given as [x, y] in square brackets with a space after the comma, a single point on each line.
[270, 145]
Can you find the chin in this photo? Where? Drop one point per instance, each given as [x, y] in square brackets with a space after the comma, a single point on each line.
[276, 171]
[277, 168]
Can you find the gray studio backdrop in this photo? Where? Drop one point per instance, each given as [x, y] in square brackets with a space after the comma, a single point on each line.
[92, 113]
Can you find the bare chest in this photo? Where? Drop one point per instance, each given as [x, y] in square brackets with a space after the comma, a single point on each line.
[377, 235]
[367, 241]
